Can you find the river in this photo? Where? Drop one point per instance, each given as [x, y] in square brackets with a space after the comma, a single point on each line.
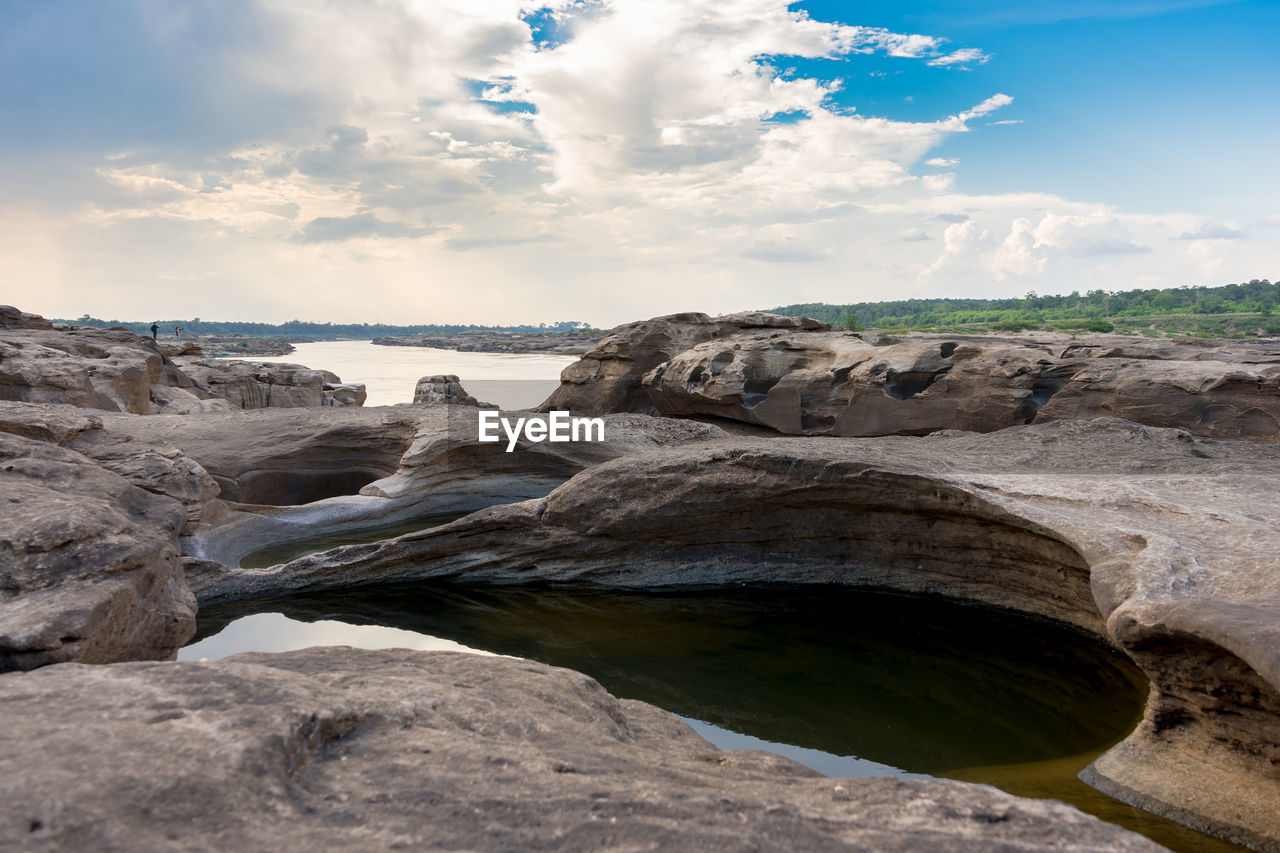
[389, 374]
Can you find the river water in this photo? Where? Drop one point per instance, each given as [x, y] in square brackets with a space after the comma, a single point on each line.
[389, 374]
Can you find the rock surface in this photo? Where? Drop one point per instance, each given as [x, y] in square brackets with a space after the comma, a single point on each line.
[444, 389]
[89, 567]
[607, 378]
[340, 749]
[116, 370]
[264, 385]
[1166, 545]
[811, 380]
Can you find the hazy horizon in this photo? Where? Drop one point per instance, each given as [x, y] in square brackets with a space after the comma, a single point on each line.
[504, 162]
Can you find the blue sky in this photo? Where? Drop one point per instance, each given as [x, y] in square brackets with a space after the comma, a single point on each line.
[502, 161]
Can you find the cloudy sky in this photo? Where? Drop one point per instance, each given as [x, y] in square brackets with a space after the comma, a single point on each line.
[500, 161]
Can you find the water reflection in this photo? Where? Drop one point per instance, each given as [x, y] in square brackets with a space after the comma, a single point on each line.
[915, 683]
[849, 682]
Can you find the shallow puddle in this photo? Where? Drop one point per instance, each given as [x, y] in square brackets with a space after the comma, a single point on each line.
[850, 682]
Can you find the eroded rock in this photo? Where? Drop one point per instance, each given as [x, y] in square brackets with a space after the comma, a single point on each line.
[444, 389]
[89, 566]
[264, 385]
[341, 749]
[810, 380]
[1165, 545]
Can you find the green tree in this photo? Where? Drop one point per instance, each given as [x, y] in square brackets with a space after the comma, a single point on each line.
[851, 322]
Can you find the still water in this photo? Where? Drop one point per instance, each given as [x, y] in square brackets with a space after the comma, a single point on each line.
[389, 374]
[850, 682]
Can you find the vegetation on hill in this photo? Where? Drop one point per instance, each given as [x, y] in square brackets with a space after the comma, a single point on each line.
[1233, 310]
[297, 330]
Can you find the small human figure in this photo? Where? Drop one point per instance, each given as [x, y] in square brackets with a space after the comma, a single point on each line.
[155, 332]
[177, 331]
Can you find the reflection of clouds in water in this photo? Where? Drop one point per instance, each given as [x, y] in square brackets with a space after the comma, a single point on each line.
[510, 380]
[275, 632]
[837, 766]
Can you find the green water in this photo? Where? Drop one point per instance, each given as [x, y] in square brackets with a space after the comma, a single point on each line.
[919, 684]
[292, 549]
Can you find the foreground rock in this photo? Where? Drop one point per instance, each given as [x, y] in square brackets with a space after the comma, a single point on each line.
[810, 380]
[89, 564]
[339, 749]
[1165, 545]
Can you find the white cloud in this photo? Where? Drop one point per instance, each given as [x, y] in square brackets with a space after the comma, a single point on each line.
[435, 163]
[963, 57]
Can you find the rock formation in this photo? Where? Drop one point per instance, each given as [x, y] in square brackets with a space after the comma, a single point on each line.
[607, 378]
[116, 370]
[446, 389]
[340, 749]
[89, 564]
[263, 385]
[1085, 522]
[1165, 544]
[810, 380]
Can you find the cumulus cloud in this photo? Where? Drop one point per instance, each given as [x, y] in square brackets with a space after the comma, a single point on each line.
[606, 159]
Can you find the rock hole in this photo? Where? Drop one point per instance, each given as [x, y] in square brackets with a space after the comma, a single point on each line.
[904, 386]
[948, 349]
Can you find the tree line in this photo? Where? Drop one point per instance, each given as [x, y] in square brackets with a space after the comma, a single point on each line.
[1097, 310]
[314, 331]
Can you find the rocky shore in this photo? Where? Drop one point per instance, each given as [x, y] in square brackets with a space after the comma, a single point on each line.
[551, 343]
[1122, 486]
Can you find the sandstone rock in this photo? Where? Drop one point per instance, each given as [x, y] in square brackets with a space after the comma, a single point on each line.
[173, 349]
[87, 368]
[54, 423]
[261, 385]
[445, 389]
[607, 378]
[340, 749]
[12, 318]
[310, 464]
[282, 456]
[1165, 545]
[813, 381]
[88, 563]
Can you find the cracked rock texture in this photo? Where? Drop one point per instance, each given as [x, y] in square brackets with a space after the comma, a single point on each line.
[802, 379]
[340, 749]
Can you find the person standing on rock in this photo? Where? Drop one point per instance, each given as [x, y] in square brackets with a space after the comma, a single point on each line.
[177, 331]
[155, 332]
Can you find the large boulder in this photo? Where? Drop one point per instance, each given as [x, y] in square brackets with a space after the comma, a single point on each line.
[607, 378]
[89, 563]
[341, 749]
[1165, 545]
[810, 380]
[443, 389]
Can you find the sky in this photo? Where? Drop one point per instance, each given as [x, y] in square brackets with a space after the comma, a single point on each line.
[500, 161]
